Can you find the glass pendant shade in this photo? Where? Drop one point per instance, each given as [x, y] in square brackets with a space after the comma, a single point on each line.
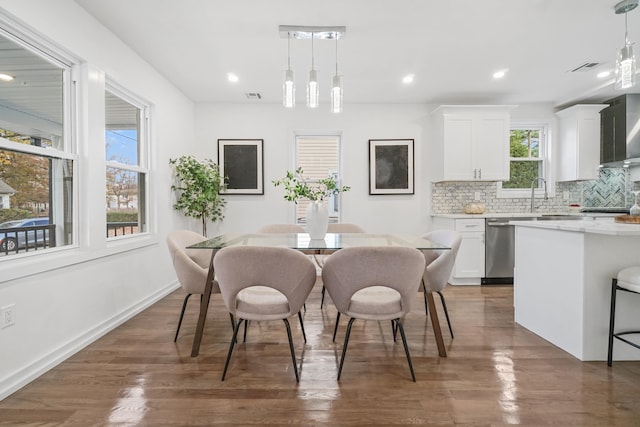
[336, 94]
[625, 68]
[313, 91]
[289, 90]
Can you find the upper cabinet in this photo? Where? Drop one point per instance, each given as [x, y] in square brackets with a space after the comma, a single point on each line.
[620, 139]
[471, 143]
[579, 142]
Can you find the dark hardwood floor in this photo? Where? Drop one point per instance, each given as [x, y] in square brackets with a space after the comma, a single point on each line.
[497, 373]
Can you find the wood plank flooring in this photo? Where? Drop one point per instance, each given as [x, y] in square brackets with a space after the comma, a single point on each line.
[497, 373]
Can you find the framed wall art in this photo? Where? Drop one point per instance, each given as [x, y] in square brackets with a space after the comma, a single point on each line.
[391, 166]
[241, 161]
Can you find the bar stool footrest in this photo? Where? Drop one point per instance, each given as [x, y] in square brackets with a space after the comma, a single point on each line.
[631, 343]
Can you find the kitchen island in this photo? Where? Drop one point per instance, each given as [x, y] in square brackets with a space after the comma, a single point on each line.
[562, 283]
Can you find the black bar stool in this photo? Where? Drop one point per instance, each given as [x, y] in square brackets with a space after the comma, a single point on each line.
[628, 280]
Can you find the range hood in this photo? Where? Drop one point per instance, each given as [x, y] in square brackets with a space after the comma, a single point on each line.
[620, 131]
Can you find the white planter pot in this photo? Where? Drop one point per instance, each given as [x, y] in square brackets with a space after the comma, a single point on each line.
[317, 220]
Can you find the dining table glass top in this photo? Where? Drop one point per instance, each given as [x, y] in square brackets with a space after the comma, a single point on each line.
[331, 243]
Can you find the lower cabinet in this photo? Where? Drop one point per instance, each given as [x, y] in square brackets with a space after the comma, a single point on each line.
[469, 267]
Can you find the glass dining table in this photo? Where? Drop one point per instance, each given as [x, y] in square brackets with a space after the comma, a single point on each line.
[300, 241]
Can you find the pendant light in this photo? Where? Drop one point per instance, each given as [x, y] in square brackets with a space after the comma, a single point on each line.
[336, 88]
[313, 91]
[289, 87]
[626, 60]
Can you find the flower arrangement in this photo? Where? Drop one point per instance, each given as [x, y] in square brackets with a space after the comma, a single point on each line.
[297, 187]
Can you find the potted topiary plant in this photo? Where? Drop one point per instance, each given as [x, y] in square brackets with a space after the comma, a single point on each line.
[297, 187]
[198, 185]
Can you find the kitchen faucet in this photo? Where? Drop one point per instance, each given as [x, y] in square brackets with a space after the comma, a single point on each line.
[546, 195]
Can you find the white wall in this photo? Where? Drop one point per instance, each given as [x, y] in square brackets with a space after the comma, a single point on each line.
[357, 124]
[65, 299]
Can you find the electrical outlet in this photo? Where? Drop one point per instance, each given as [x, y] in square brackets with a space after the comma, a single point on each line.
[8, 316]
[476, 195]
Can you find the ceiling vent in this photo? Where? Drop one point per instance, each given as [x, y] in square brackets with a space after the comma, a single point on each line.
[253, 95]
[587, 66]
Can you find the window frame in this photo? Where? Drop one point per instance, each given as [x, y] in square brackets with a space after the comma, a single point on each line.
[334, 216]
[67, 149]
[144, 154]
[545, 150]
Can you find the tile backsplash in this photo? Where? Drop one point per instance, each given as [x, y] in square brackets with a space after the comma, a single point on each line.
[611, 189]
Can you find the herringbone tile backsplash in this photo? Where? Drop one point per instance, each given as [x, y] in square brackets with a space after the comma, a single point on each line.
[612, 189]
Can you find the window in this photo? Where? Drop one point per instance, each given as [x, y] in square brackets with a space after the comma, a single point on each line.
[36, 159]
[527, 154]
[319, 157]
[127, 171]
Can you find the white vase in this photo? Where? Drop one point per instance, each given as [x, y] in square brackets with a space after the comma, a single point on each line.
[317, 220]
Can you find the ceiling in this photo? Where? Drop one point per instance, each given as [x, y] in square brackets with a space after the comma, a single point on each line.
[452, 47]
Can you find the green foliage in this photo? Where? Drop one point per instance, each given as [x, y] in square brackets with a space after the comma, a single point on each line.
[122, 216]
[297, 187]
[14, 213]
[198, 185]
[524, 143]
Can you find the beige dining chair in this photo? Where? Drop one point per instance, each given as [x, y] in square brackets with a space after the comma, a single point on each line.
[439, 265]
[261, 284]
[374, 283]
[191, 266]
[336, 227]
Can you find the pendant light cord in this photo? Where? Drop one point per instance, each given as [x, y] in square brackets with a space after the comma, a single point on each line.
[289, 51]
[312, 63]
[336, 55]
[626, 37]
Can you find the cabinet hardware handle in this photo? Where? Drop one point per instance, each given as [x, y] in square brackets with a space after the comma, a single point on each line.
[475, 174]
[480, 173]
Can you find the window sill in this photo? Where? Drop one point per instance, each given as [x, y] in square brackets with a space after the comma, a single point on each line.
[38, 262]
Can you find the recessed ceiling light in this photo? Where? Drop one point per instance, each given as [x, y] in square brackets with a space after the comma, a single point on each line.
[408, 78]
[232, 78]
[500, 74]
[6, 77]
[603, 74]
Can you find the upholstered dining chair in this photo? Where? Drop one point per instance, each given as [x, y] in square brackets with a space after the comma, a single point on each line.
[336, 227]
[439, 264]
[374, 283]
[191, 266]
[263, 283]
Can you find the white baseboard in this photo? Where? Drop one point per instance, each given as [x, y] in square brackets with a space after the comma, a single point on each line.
[24, 376]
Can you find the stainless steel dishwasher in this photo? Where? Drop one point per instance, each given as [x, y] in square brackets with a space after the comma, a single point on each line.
[499, 250]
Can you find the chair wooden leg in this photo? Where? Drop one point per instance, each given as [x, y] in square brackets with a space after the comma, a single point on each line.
[335, 329]
[406, 348]
[184, 306]
[322, 300]
[233, 342]
[446, 312]
[302, 326]
[293, 352]
[344, 347]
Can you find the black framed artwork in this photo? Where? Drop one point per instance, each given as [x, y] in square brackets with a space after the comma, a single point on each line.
[391, 166]
[241, 162]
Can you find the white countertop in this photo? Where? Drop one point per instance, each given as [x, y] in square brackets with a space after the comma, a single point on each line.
[597, 226]
[486, 215]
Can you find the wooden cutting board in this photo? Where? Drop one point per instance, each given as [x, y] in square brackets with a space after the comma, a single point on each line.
[628, 219]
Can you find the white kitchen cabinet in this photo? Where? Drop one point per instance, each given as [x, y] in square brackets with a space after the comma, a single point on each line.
[471, 143]
[469, 266]
[579, 142]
